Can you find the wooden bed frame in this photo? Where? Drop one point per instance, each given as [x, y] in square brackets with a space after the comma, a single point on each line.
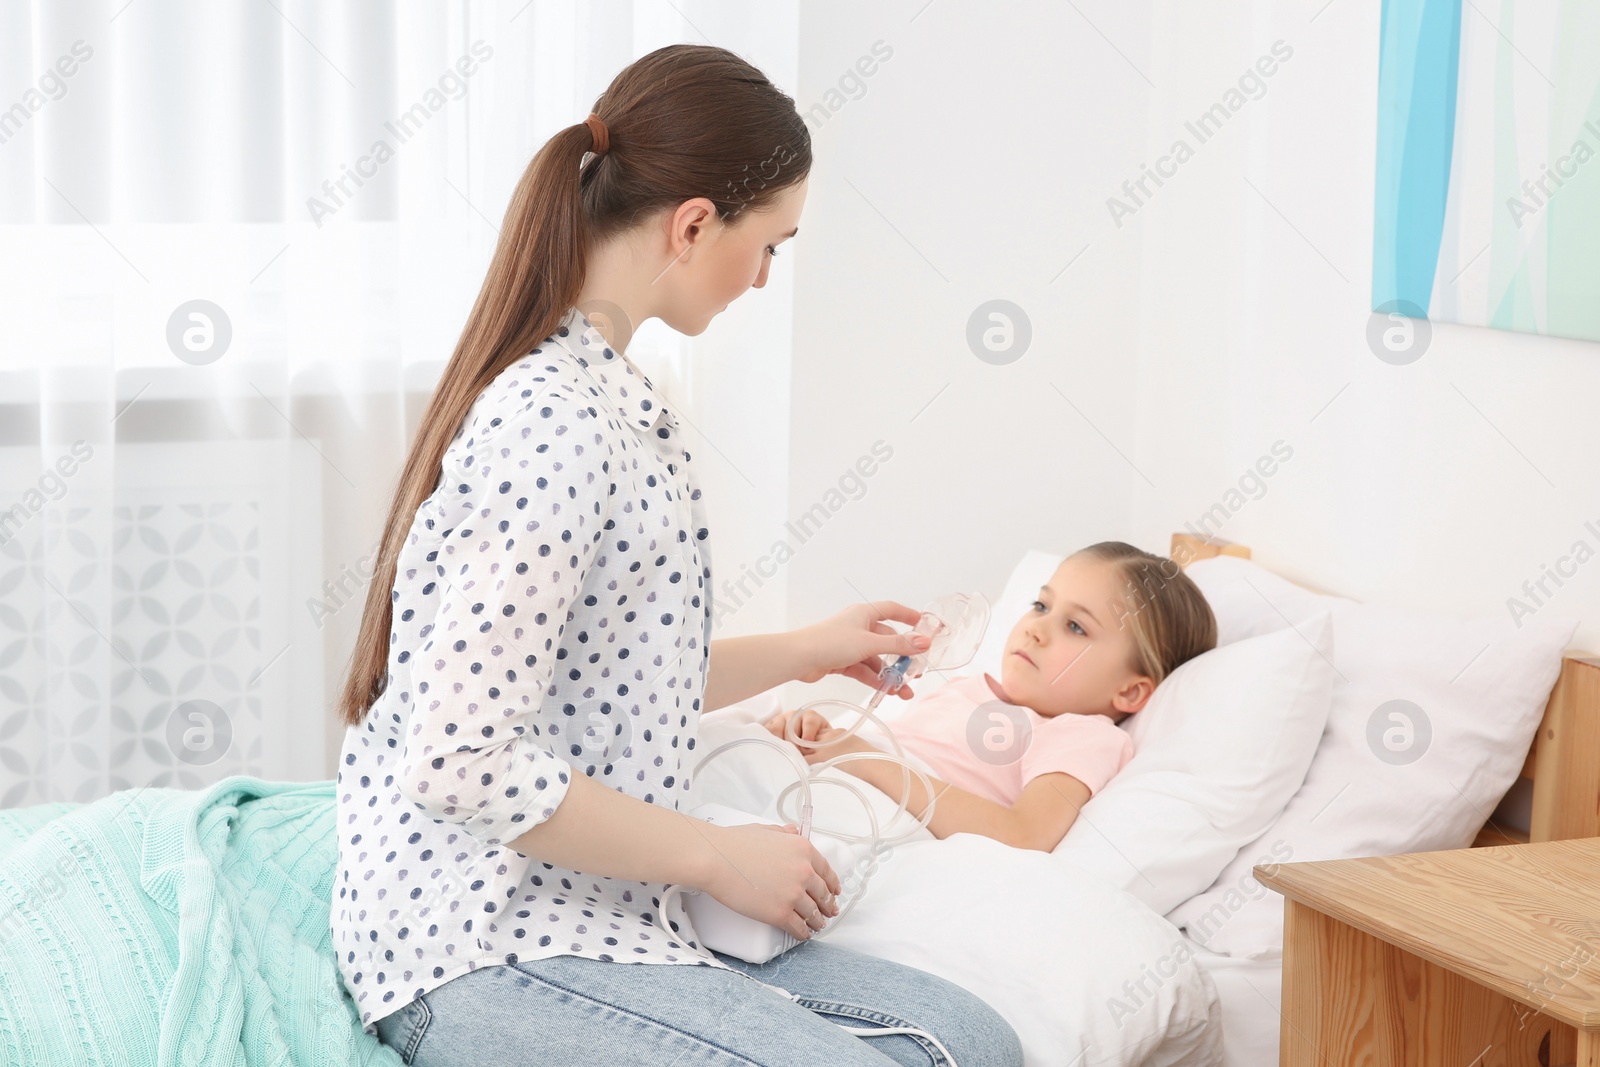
[1563, 762]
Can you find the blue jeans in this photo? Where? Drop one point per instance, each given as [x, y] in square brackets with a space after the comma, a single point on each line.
[567, 1010]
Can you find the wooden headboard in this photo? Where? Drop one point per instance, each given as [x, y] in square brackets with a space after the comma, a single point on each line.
[1564, 760]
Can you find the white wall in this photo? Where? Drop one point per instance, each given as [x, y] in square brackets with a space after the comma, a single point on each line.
[1228, 313]
[1445, 483]
[971, 168]
[737, 372]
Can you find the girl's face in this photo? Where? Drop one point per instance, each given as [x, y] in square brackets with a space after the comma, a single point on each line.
[1070, 652]
[718, 261]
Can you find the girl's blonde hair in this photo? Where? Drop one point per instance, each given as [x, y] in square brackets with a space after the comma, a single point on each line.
[1167, 614]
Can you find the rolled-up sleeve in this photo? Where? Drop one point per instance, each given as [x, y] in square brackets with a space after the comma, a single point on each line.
[531, 503]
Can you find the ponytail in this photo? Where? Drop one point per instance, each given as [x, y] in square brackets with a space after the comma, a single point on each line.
[684, 121]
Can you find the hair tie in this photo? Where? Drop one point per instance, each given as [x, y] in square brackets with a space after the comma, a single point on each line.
[602, 136]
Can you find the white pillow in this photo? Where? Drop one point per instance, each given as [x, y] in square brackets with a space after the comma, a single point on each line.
[1388, 777]
[1249, 600]
[1220, 748]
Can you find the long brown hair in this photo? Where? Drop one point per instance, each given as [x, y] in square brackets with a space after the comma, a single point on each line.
[684, 121]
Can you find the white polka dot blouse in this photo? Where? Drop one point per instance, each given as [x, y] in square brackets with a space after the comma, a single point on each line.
[552, 617]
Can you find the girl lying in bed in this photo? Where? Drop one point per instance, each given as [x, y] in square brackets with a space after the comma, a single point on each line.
[1016, 758]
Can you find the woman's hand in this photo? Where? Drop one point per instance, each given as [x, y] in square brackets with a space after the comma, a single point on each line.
[773, 874]
[852, 641]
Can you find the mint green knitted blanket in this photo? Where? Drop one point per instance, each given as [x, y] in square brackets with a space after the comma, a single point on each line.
[175, 928]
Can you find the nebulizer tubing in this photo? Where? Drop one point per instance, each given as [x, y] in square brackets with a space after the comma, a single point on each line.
[954, 625]
[803, 783]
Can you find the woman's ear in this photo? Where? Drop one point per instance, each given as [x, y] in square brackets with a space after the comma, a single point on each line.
[692, 221]
[1133, 696]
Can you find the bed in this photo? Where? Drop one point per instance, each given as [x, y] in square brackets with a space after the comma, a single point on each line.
[1222, 1005]
[176, 927]
[1556, 796]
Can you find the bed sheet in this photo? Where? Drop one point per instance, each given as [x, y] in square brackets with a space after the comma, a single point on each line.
[1251, 995]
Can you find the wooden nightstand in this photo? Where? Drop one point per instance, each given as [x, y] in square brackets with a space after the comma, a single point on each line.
[1482, 957]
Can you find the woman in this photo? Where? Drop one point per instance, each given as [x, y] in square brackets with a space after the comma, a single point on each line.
[542, 608]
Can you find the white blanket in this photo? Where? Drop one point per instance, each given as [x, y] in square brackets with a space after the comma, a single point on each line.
[1086, 973]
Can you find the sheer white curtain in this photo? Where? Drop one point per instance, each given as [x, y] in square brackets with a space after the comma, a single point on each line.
[239, 241]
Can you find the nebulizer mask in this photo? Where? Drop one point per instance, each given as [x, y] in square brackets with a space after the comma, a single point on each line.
[955, 625]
